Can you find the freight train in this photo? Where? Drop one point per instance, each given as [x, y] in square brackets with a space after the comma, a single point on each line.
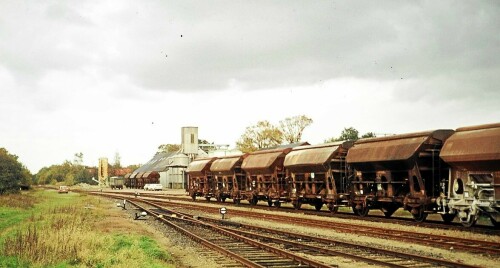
[454, 173]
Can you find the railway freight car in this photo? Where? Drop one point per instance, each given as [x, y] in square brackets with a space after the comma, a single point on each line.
[399, 171]
[116, 182]
[200, 181]
[265, 176]
[474, 183]
[319, 175]
[228, 177]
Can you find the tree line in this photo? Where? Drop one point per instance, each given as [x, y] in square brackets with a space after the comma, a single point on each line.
[266, 135]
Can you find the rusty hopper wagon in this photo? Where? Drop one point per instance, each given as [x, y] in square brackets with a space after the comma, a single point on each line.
[126, 179]
[474, 186]
[130, 181]
[227, 174]
[319, 175]
[139, 181]
[151, 177]
[265, 176]
[398, 171]
[200, 181]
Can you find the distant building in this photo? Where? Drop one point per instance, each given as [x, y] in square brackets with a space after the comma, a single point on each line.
[172, 165]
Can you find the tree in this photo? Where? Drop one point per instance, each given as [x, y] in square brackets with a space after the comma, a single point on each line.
[262, 135]
[168, 148]
[134, 167]
[117, 163]
[368, 135]
[78, 159]
[350, 134]
[12, 172]
[292, 127]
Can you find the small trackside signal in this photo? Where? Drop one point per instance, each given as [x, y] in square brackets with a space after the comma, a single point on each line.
[223, 211]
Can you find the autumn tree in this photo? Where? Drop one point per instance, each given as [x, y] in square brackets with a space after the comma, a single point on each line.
[12, 173]
[259, 136]
[292, 127]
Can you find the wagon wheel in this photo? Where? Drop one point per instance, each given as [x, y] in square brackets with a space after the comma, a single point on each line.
[420, 216]
[333, 209]
[363, 212]
[447, 218]
[318, 206]
[354, 210]
[469, 220]
[193, 196]
[389, 211]
[236, 201]
[270, 203]
[277, 204]
[223, 199]
[494, 222]
[254, 201]
[297, 204]
[207, 198]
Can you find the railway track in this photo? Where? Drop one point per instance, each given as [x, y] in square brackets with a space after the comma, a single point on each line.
[246, 251]
[311, 245]
[331, 247]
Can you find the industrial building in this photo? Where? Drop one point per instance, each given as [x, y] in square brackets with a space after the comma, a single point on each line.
[171, 166]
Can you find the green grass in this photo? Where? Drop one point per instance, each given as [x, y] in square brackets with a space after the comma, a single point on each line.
[46, 229]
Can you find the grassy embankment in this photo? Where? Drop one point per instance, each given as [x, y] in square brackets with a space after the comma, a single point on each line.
[46, 229]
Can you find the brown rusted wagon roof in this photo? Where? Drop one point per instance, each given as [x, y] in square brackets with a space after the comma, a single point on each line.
[139, 175]
[133, 175]
[127, 175]
[313, 156]
[225, 164]
[151, 175]
[474, 148]
[261, 160]
[200, 165]
[394, 148]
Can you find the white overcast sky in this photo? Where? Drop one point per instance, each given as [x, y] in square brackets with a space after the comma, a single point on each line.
[101, 77]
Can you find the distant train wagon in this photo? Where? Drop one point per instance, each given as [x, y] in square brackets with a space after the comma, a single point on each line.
[116, 182]
[228, 177]
[200, 181]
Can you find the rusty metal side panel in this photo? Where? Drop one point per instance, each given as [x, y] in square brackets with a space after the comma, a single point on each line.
[474, 148]
[225, 164]
[127, 175]
[386, 150]
[310, 157]
[261, 161]
[199, 165]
